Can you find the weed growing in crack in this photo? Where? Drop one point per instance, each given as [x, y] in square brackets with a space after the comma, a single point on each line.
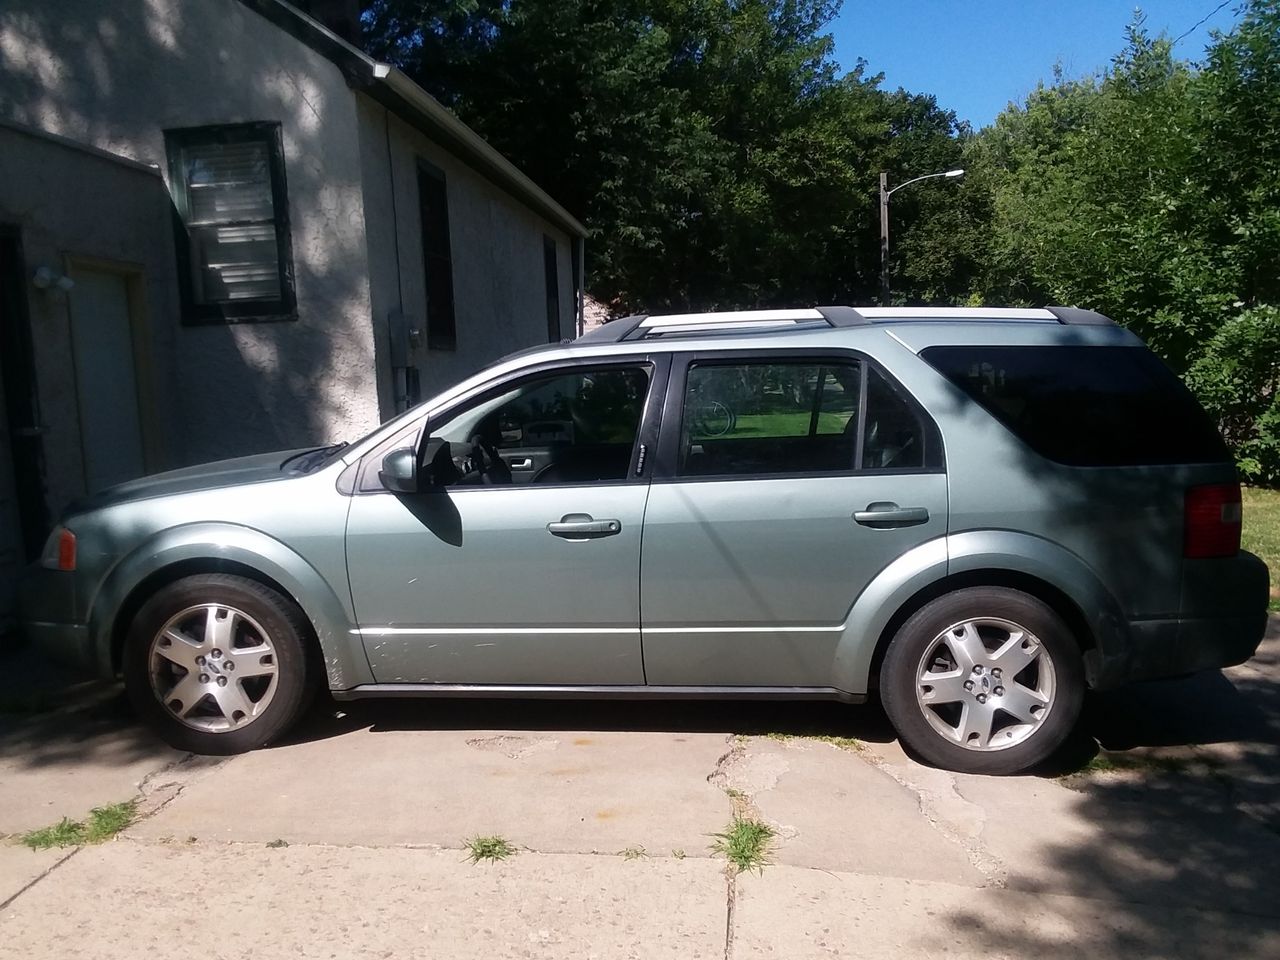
[745, 844]
[103, 824]
[634, 853]
[492, 849]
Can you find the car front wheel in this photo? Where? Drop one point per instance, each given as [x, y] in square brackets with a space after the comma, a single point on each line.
[983, 680]
[216, 664]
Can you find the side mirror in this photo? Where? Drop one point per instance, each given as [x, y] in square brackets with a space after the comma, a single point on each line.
[399, 472]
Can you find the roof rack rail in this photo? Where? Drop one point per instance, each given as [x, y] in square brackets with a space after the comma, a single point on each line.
[757, 321]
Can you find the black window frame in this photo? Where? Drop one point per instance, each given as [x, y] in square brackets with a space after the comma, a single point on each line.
[284, 307]
[441, 319]
[667, 466]
[639, 470]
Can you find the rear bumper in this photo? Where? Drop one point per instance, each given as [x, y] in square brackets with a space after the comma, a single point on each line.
[1172, 648]
[1228, 602]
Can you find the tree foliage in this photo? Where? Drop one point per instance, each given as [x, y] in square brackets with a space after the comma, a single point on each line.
[712, 147]
[1152, 194]
[720, 158]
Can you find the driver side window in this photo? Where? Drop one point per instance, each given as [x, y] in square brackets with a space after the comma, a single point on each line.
[576, 426]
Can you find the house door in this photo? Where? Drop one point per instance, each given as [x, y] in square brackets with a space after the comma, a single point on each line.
[22, 519]
[10, 531]
[102, 338]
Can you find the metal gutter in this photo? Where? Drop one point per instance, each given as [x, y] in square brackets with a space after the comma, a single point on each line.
[394, 90]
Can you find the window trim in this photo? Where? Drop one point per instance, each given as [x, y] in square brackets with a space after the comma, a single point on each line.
[285, 307]
[657, 365]
[449, 344]
[666, 468]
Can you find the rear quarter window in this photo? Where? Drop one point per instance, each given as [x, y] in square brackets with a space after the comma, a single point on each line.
[1085, 406]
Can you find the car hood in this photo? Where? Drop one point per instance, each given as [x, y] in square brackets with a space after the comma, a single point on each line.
[260, 468]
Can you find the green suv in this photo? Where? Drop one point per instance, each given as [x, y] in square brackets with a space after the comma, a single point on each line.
[974, 513]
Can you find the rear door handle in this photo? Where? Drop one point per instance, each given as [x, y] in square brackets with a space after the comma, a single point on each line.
[581, 526]
[524, 464]
[886, 514]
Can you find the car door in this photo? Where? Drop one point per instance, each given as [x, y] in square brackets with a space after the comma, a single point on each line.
[785, 483]
[503, 575]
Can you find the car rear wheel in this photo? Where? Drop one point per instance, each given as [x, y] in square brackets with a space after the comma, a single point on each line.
[983, 680]
[217, 664]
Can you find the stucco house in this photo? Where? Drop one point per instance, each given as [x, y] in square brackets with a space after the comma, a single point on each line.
[224, 229]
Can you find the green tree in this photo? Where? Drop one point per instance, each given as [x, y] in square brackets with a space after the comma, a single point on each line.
[711, 146]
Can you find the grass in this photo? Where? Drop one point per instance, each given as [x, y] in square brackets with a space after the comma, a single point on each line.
[634, 853]
[1261, 533]
[1104, 762]
[733, 793]
[277, 844]
[678, 853]
[844, 743]
[103, 824]
[745, 844]
[492, 849]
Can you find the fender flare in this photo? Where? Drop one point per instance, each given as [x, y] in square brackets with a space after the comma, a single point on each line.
[344, 659]
[971, 551]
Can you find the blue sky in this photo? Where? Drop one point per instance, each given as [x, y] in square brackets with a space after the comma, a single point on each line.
[977, 55]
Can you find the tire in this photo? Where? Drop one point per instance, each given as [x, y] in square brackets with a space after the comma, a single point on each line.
[939, 705]
[174, 651]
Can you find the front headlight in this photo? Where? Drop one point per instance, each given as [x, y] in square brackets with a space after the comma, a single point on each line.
[59, 550]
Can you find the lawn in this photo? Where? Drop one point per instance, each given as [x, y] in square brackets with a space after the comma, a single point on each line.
[1262, 532]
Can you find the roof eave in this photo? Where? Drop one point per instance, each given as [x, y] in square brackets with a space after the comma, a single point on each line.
[394, 90]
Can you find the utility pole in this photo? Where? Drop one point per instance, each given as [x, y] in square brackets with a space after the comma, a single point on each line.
[884, 239]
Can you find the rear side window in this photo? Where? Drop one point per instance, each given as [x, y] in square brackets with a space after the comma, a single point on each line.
[769, 418]
[1086, 406]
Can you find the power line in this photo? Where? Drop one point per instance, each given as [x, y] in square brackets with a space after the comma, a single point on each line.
[1200, 22]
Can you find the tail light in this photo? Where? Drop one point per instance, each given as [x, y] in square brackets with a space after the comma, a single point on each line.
[59, 550]
[1212, 521]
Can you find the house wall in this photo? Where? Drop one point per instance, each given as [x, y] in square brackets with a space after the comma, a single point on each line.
[116, 76]
[496, 245]
[72, 204]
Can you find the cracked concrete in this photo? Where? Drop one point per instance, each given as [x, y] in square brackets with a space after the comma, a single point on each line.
[875, 855]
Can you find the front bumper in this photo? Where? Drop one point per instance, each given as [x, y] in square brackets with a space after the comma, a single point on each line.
[48, 609]
[67, 643]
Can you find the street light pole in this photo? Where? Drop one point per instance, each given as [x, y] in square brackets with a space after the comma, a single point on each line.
[884, 239]
[885, 193]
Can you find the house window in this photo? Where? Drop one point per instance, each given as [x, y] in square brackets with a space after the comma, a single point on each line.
[235, 258]
[433, 207]
[549, 267]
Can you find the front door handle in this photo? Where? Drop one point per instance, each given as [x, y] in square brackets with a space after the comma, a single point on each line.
[885, 514]
[581, 526]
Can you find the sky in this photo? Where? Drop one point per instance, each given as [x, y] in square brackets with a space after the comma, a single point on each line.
[977, 55]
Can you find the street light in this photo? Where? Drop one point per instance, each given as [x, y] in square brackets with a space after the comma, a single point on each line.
[885, 193]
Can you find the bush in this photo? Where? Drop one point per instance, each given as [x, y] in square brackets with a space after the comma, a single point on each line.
[1237, 378]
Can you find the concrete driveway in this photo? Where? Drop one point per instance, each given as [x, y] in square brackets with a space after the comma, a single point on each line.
[348, 841]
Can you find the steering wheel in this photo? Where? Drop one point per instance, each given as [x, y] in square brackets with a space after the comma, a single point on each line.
[486, 462]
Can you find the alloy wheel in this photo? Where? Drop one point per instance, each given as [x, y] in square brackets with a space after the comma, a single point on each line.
[986, 683]
[213, 667]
